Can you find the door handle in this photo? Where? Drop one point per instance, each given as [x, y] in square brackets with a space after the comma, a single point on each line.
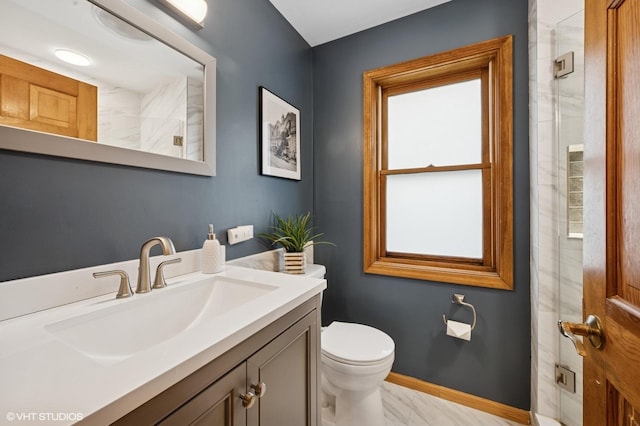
[591, 329]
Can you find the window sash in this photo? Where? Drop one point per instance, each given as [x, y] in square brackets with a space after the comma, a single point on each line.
[388, 240]
[420, 116]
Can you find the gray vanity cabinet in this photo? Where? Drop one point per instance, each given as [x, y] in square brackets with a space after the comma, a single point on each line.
[218, 405]
[285, 367]
[271, 379]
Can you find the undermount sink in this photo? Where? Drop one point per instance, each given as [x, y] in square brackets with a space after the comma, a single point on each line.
[112, 334]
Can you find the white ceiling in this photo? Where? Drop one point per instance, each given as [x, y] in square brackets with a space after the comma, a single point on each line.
[320, 21]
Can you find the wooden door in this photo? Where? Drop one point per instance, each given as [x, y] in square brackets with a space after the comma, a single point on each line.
[612, 213]
[36, 99]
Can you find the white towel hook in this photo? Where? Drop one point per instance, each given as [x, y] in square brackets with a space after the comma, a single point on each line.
[458, 299]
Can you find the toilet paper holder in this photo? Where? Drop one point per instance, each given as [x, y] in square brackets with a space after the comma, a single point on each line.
[458, 299]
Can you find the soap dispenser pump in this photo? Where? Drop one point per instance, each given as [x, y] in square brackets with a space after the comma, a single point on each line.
[211, 254]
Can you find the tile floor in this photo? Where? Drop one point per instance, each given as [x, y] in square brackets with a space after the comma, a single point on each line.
[406, 407]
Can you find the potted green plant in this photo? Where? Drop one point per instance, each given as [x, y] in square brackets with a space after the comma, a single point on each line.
[293, 233]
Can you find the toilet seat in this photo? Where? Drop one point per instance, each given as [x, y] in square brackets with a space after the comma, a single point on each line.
[356, 344]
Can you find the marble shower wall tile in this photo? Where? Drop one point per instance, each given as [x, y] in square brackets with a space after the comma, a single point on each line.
[571, 278]
[118, 117]
[548, 350]
[547, 154]
[195, 120]
[548, 251]
[163, 116]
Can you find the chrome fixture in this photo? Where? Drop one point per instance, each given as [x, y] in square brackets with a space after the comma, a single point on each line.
[563, 65]
[249, 398]
[565, 378]
[144, 280]
[458, 299]
[193, 10]
[160, 282]
[125, 286]
[591, 329]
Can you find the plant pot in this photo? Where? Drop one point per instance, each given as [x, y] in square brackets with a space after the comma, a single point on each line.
[294, 263]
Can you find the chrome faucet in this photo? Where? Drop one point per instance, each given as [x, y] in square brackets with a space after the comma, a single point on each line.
[144, 280]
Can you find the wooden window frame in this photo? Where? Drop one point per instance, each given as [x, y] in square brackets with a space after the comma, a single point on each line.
[491, 61]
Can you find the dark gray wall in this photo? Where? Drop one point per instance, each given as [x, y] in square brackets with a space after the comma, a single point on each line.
[58, 214]
[496, 363]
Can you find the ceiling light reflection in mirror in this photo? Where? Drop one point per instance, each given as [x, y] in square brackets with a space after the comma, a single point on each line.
[71, 57]
[148, 93]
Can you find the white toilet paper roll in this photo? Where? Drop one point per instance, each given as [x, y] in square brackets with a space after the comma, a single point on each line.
[459, 330]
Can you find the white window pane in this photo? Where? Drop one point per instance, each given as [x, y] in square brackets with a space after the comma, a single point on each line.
[439, 126]
[435, 213]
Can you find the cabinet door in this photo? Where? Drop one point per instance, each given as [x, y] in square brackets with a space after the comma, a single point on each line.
[38, 99]
[217, 405]
[288, 366]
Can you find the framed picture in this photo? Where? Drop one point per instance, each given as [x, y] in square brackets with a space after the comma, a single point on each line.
[280, 136]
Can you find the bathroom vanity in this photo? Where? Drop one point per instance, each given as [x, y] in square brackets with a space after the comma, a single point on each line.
[236, 348]
[269, 379]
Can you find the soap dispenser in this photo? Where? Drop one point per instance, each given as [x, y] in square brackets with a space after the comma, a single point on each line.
[211, 254]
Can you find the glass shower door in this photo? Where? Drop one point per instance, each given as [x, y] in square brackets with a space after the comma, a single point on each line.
[569, 119]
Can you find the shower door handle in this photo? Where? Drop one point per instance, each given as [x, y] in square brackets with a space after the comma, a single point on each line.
[591, 329]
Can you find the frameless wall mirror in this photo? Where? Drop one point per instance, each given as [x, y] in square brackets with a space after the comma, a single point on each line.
[137, 93]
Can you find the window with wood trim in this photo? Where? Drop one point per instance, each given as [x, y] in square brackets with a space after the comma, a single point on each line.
[438, 173]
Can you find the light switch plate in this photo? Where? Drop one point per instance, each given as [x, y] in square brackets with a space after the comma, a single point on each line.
[239, 234]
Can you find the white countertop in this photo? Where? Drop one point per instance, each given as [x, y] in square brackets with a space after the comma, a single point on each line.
[44, 380]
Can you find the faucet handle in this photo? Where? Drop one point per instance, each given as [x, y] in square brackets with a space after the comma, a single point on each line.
[125, 287]
[160, 282]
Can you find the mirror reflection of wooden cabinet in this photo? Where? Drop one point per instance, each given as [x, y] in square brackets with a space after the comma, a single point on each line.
[36, 99]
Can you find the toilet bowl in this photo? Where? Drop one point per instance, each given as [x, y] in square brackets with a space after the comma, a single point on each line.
[355, 359]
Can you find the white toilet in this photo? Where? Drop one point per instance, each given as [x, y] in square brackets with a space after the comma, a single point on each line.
[355, 361]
